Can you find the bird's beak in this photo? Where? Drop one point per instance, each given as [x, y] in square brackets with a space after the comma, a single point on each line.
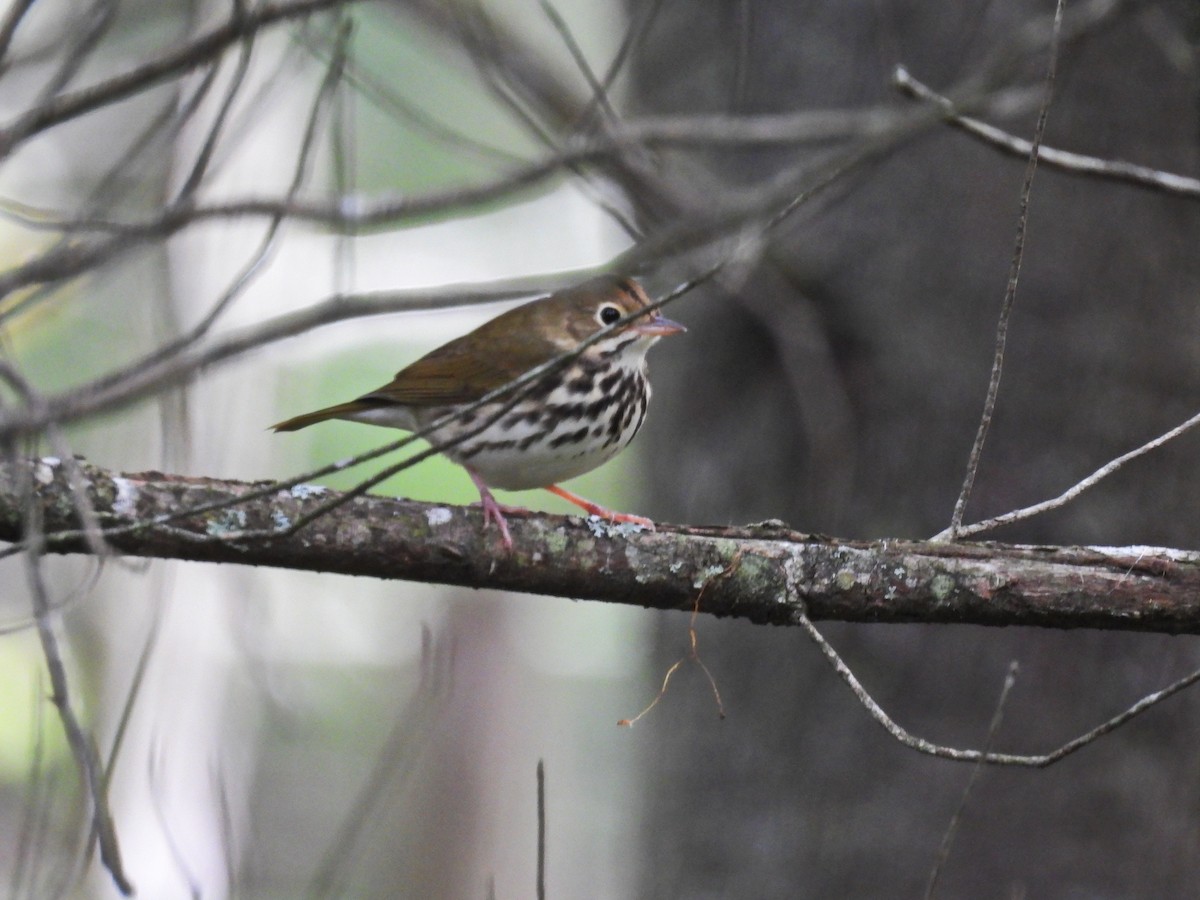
[658, 326]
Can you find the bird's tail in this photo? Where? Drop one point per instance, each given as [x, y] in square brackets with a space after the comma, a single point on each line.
[341, 411]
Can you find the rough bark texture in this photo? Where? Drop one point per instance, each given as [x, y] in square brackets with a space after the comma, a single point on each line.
[759, 573]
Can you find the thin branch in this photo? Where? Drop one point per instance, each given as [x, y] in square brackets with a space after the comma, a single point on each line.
[344, 160]
[1028, 512]
[1010, 293]
[355, 213]
[12, 20]
[87, 29]
[164, 126]
[538, 100]
[479, 39]
[641, 21]
[82, 748]
[1062, 160]
[943, 853]
[599, 116]
[171, 64]
[597, 90]
[254, 265]
[1036, 761]
[348, 213]
[385, 96]
[204, 157]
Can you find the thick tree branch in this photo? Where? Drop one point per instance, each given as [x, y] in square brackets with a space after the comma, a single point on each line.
[767, 573]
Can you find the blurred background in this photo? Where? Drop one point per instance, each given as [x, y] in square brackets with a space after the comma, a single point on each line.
[277, 734]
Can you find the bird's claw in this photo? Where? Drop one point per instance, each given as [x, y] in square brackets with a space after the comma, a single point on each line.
[494, 512]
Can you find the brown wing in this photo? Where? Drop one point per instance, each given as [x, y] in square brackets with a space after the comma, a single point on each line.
[470, 366]
[458, 372]
[493, 354]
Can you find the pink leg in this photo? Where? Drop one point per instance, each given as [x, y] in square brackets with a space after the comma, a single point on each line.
[595, 509]
[492, 511]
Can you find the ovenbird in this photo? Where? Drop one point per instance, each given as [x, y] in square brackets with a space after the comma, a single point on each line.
[569, 421]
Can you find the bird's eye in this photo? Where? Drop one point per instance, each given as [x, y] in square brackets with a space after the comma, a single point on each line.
[609, 314]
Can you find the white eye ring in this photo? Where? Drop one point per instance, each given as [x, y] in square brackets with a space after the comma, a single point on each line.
[608, 314]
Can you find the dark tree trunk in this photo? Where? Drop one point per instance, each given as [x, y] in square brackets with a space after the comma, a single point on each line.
[839, 388]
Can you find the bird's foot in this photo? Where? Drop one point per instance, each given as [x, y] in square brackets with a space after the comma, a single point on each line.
[493, 511]
[595, 509]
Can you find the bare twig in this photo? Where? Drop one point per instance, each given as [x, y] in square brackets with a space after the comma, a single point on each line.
[385, 96]
[1028, 512]
[693, 652]
[162, 127]
[639, 26]
[126, 716]
[12, 20]
[1010, 293]
[253, 266]
[82, 748]
[598, 90]
[89, 27]
[598, 102]
[1037, 761]
[1051, 157]
[171, 64]
[943, 853]
[200, 167]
